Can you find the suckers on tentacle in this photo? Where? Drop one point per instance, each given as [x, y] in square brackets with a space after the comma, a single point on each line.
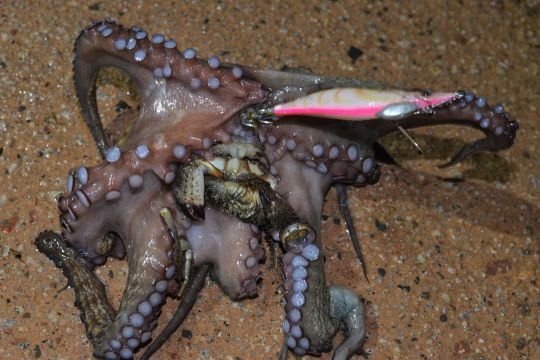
[163, 76]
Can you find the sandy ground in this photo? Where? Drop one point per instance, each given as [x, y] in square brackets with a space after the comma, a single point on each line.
[452, 255]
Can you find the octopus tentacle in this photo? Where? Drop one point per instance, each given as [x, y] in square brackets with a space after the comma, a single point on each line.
[168, 101]
[235, 266]
[76, 268]
[150, 253]
[461, 108]
[471, 110]
[145, 293]
[182, 311]
[172, 85]
[115, 335]
[347, 306]
[310, 324]
[332, 155]
[327, 307]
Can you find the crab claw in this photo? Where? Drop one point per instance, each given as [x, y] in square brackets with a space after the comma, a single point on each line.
[196, 212]
[188, 189]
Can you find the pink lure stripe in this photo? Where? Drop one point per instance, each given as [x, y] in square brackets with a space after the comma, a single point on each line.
[346, 113]
[430, 102]
[353, 113]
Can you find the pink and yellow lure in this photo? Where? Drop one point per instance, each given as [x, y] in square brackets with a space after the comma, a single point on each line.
[361, 104]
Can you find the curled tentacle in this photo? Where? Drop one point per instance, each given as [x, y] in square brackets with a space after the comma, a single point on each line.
[347, 306]
[172, 85]
[364, 112]
[468, 109]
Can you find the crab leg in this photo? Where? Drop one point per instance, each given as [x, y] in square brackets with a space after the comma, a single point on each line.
[341, 191]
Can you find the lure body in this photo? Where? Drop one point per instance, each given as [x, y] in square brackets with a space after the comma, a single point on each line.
[361, 104]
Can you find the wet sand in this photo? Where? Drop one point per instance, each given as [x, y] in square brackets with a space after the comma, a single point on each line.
[452, 255]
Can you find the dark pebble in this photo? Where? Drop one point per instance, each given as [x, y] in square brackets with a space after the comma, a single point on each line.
[94, 7]
[380, 225]
[524, 309]
[498, 267]
[187, 334]
[381, 272]
[121, 105]
[425, 295]
[21, 108]
[521, 343]
[443, 318]
[336, 221]
[37, 352]
[404, 288]
[354, 53]
[461, 347]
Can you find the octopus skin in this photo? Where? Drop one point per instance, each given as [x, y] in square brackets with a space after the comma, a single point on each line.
[125, 206]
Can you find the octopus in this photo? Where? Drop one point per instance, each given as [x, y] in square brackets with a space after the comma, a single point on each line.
[217, 160]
